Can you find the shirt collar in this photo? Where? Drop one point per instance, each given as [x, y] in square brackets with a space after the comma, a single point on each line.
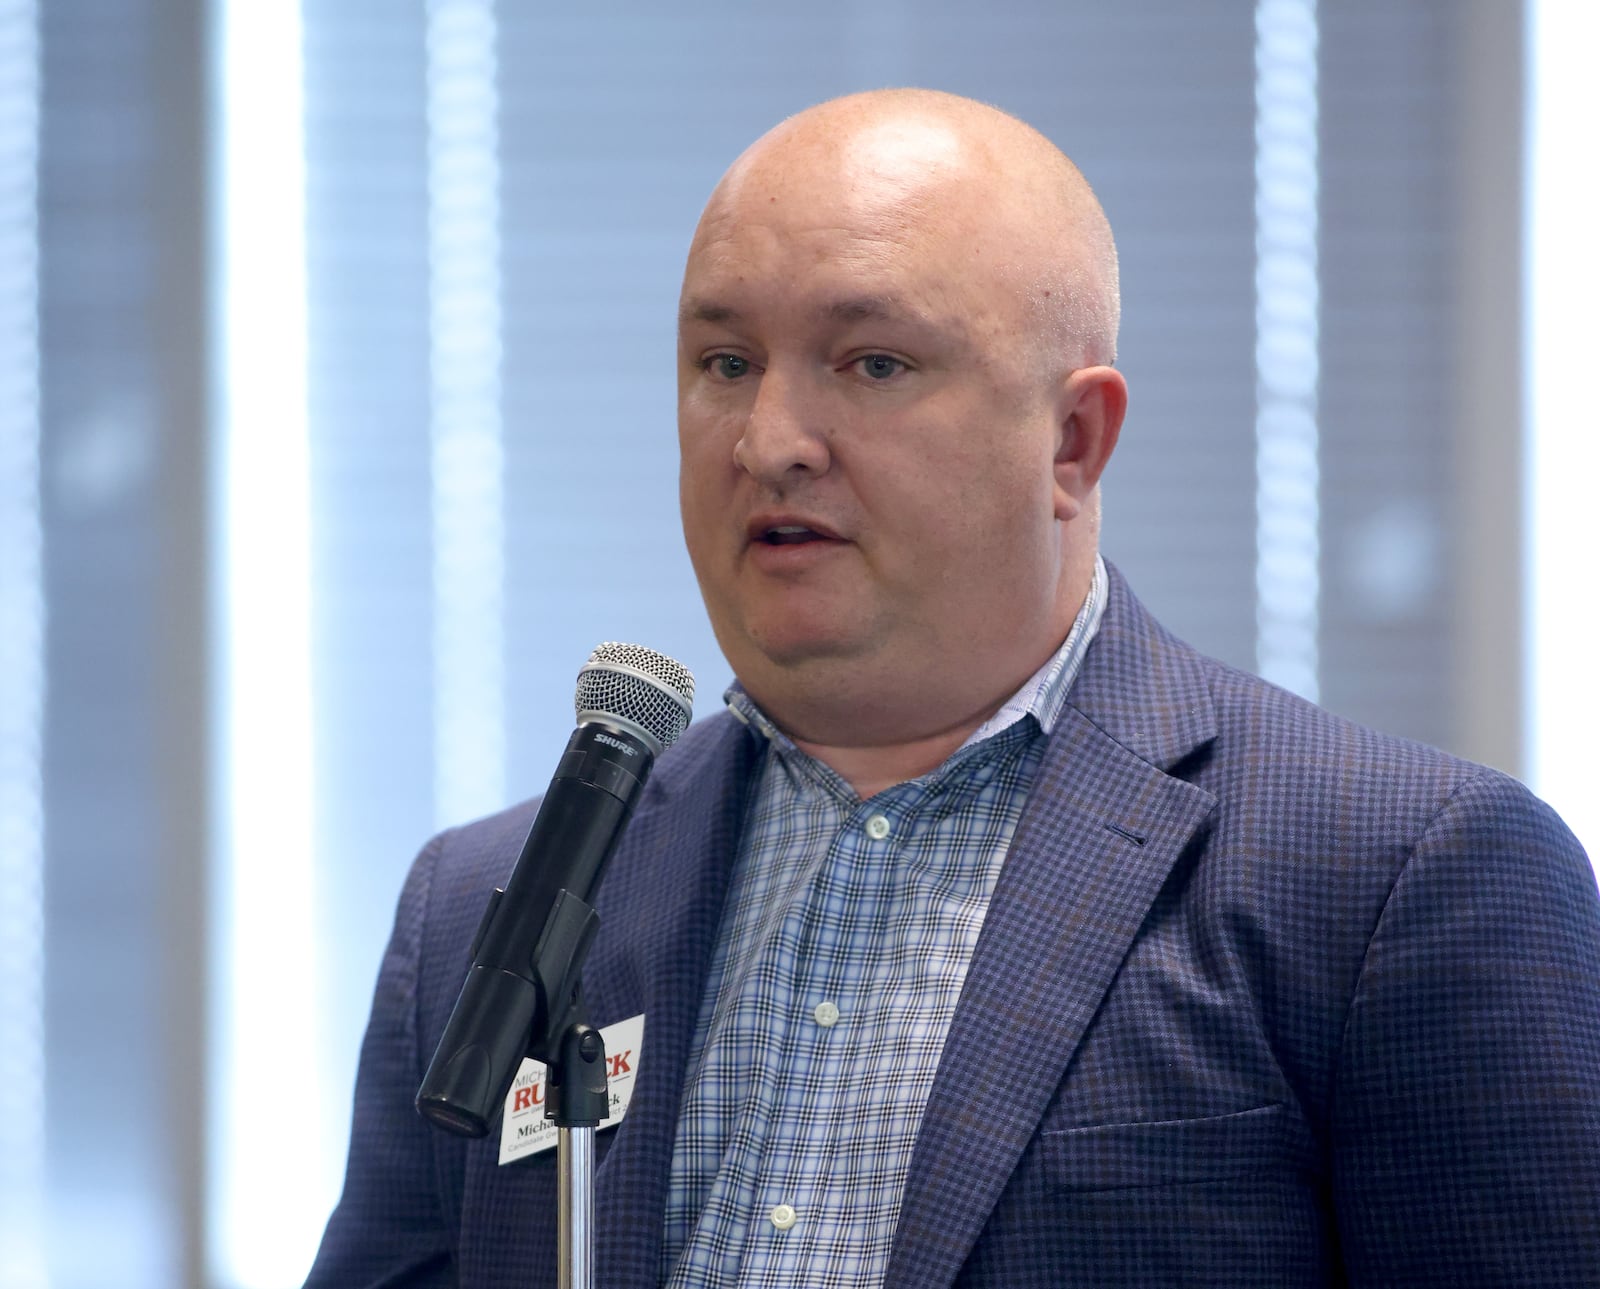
[1041, 696]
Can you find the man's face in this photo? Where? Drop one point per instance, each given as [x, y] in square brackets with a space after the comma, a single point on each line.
[867, 432]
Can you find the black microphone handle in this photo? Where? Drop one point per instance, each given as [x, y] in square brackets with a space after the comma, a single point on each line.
[521, 954]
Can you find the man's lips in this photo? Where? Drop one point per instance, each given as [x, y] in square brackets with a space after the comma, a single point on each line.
[790, 536]
[788, 531]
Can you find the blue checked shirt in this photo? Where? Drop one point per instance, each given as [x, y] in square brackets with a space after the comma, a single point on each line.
[843, 946]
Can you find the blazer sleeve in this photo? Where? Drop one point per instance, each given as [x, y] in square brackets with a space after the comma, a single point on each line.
[1465, 1134]
[388, 1228]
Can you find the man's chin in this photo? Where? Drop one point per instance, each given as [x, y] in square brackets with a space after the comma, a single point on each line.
[794, 648]
[803, 651]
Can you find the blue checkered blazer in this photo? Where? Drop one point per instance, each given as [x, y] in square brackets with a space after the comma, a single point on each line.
[1263, 998]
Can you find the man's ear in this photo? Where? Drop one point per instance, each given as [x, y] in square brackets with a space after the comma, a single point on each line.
[1089, 418]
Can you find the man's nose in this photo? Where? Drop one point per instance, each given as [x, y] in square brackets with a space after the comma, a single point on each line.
[783, 435]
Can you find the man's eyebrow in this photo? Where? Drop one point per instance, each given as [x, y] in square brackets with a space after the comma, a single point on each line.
[705, 311]
[865, 308]
[860, 308]
[944, 328]
[850, 309]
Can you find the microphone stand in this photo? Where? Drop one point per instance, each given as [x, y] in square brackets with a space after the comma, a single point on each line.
[454, 1095]
[577, 1098]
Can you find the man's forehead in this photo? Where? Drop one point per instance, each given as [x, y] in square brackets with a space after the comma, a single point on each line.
[828, 263]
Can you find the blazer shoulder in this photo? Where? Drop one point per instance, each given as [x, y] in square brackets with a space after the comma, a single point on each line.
[1224, 728]
[1288, 775]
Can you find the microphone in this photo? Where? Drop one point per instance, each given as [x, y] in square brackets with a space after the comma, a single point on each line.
[526, 956]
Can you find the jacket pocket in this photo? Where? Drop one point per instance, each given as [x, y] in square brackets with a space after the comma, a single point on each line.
[1266, 1141]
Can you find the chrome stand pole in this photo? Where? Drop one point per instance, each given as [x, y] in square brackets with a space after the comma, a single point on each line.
[575, 1208]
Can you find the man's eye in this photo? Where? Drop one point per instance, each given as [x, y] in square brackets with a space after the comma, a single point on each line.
[728, 366]
[879, 366]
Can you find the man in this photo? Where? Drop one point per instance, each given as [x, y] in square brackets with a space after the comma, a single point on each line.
[996, 937]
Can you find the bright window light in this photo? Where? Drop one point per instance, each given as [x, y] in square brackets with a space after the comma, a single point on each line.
[464, 347]
[272, 1182]
[1288, 547]
[1562, 274]
[22, 1075]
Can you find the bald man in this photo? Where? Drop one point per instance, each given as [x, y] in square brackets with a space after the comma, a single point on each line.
[993, 936]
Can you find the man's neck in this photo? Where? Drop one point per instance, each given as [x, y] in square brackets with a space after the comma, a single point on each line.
[870, 770]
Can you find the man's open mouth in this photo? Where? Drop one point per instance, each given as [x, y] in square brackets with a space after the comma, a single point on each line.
[789, 534]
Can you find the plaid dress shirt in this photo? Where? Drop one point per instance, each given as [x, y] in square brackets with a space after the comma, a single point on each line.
[843, 947]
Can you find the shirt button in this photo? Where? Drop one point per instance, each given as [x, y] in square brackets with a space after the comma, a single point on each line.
[827, 1015]
[877, 827]
[783, 1217]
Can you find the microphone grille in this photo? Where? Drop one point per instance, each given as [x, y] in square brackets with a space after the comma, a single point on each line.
[641, 689]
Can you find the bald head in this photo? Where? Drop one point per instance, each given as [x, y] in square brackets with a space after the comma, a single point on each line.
[918, 154]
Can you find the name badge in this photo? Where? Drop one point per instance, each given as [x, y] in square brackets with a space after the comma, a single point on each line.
[525, 1131]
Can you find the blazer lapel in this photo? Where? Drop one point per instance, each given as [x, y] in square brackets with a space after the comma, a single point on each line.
[1104, 825]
